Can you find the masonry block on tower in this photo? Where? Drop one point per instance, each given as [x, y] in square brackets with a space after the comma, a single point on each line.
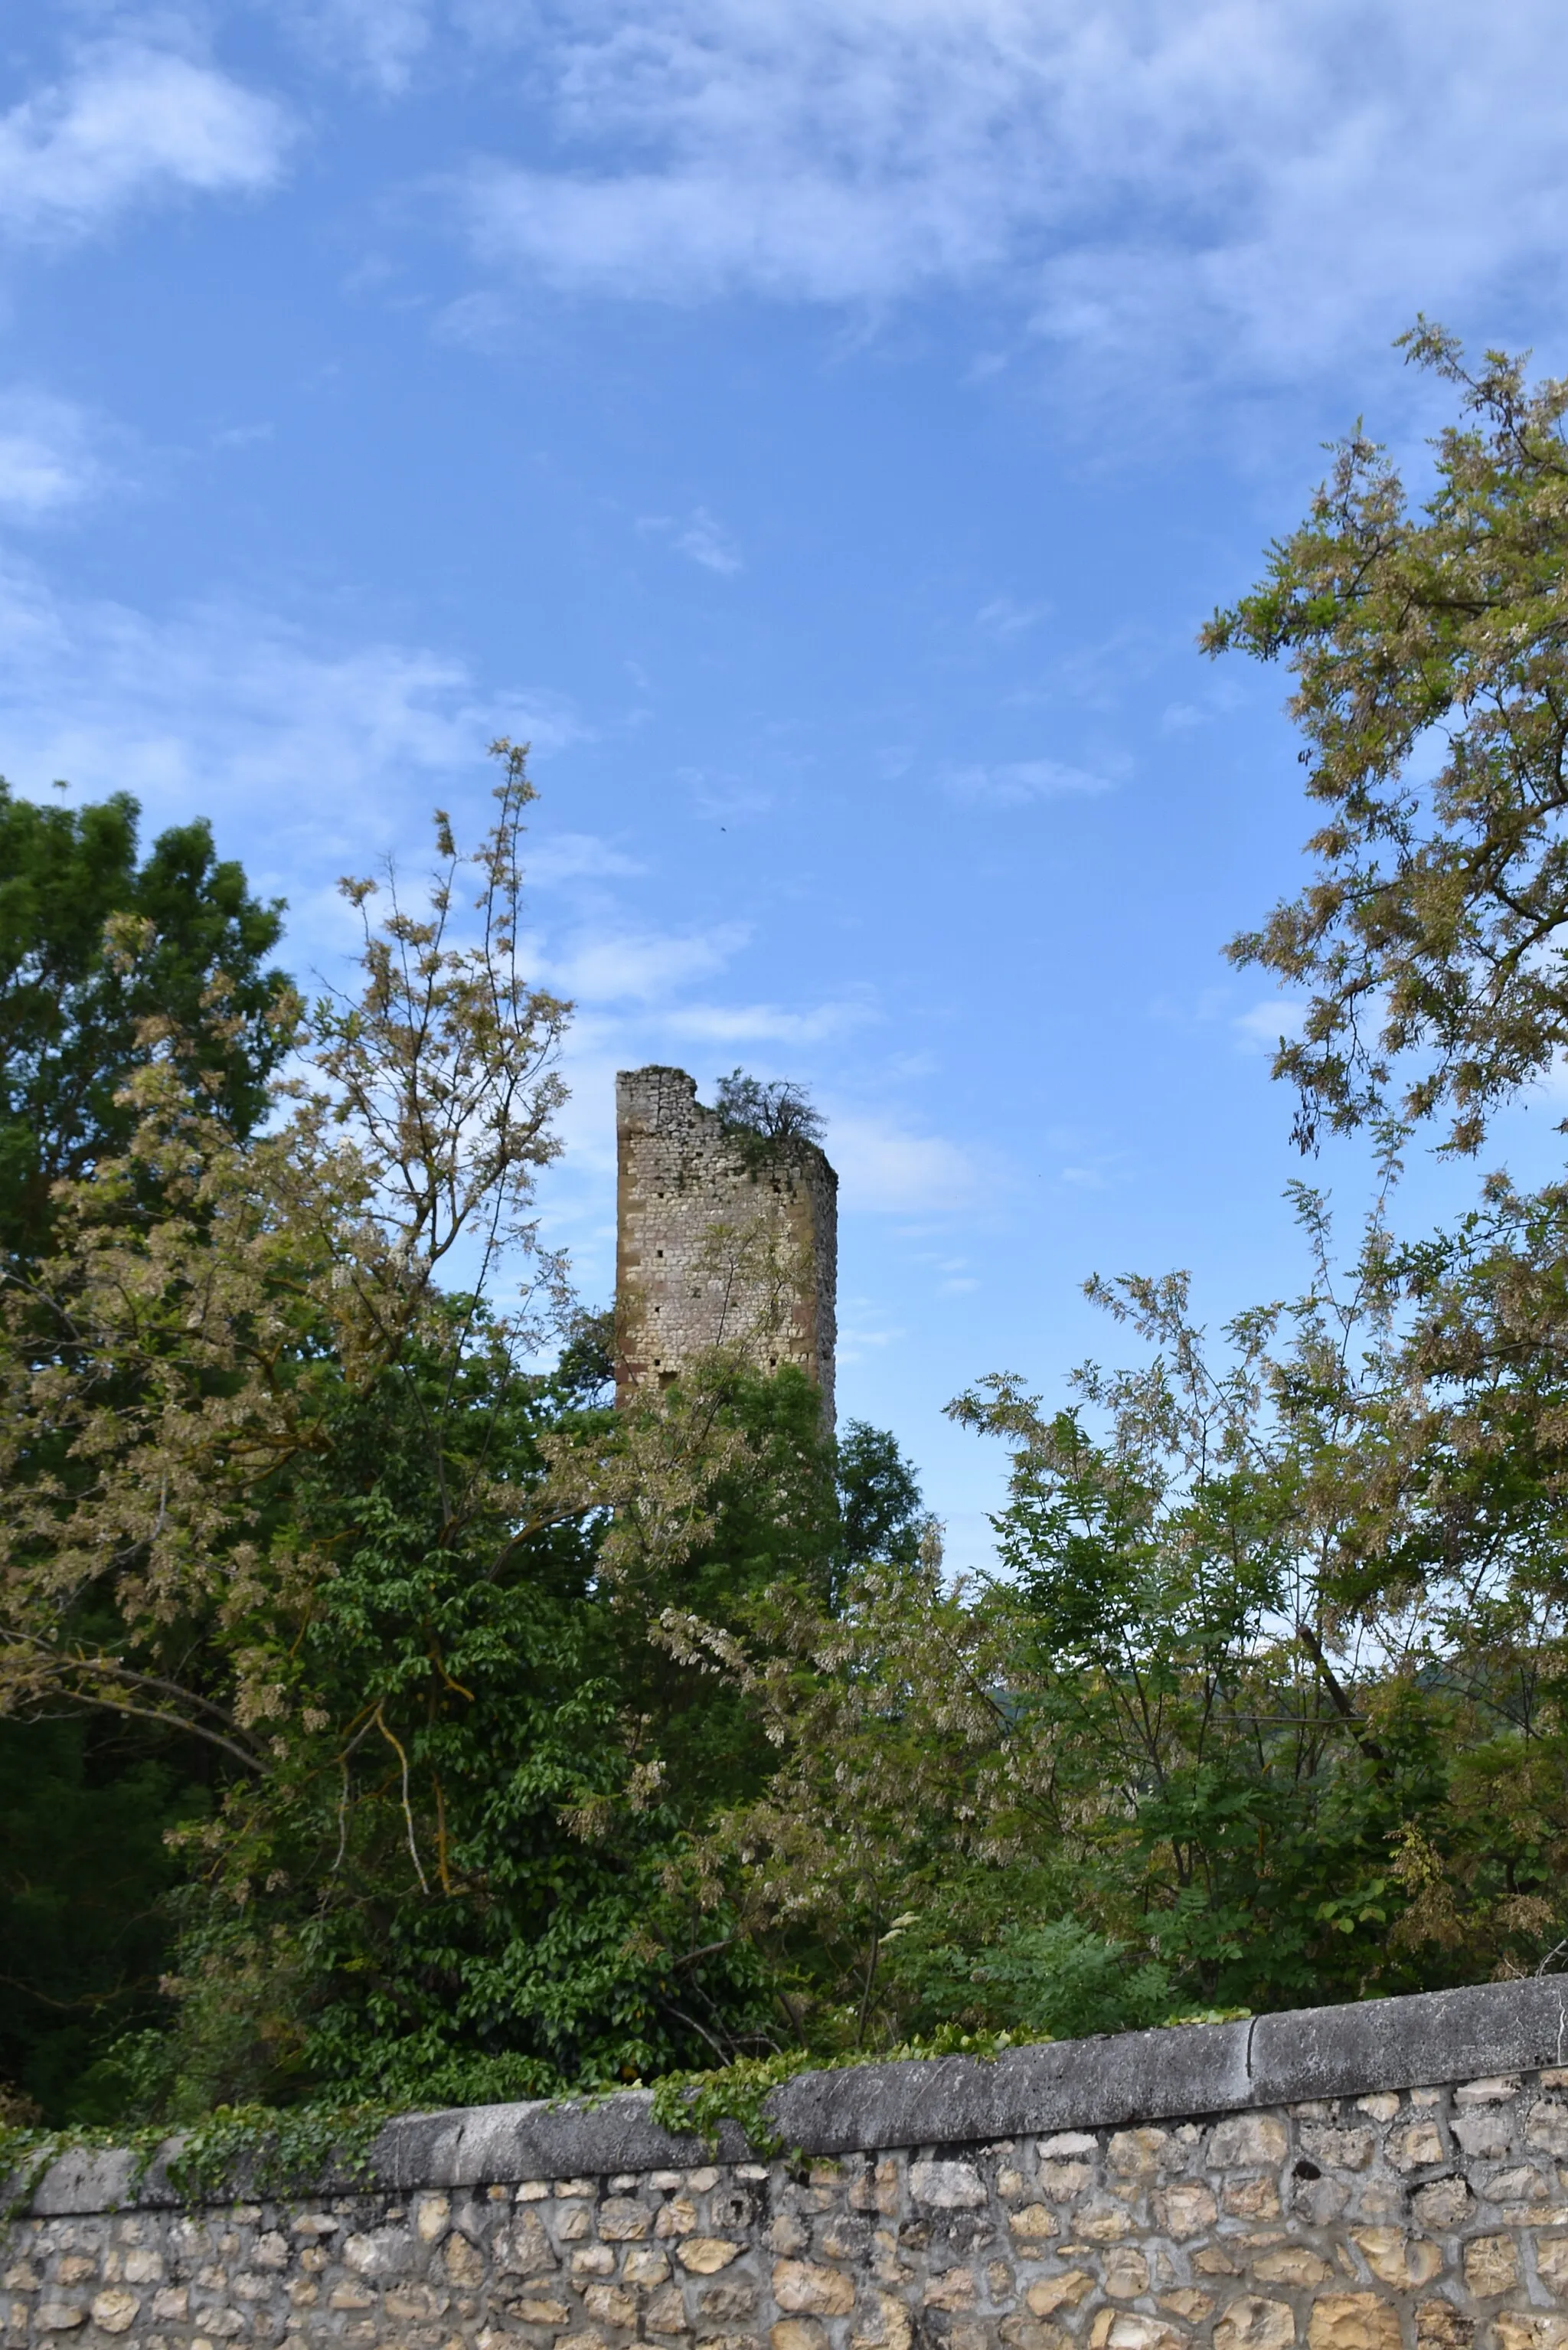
[722, 1239]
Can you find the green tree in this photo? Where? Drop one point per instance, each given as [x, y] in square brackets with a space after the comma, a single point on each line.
[218, 1312]
[1431, 662]
[94, 941]
[1265, 1708]
[767, 1112]
[85, 1871]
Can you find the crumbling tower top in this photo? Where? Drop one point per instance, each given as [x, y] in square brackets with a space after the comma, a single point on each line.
[724, 1239]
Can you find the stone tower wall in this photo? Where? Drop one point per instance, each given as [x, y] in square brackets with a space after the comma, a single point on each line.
[715, 1248]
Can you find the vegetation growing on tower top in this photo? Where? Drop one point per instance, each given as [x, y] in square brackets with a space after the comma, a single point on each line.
[765, 1116]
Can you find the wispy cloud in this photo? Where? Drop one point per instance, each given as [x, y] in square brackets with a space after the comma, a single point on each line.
[956, 1279]
[1015, 782]
[885, 1166]
[707, 542]
[1261, 1029]
[863, 1329]
[306, 755]
[133, 122]
[379, 41]
[701, 538]
[1006, 621]
[1256, 1030]
[564, 856]
[1221, 175]
[727, 798]
[50, 459]
[643, 966]
[768, 1024]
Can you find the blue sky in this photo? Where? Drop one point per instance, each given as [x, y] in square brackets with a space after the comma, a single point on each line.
[822, 428]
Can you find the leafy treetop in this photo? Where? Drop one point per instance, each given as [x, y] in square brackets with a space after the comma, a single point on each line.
[768, 1112]
[1431, 649]
[94, 942]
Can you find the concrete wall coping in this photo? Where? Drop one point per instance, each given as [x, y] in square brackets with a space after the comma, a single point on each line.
[1191, 2071]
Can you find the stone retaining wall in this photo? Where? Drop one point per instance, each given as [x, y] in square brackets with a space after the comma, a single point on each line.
[1424, 2209]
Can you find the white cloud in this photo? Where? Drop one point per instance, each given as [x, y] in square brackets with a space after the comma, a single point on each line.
[1016, 783]
[707, 542]
[882, 1165]
[1192, 1012]
[48, 461]
[309, 758]
[641, 966]
[482, 321]
[1261, 1029]
[1176, 174]
[1006, 621]
[862, 1328]
[767, 1023]
[563, 856]
[727, 799]
[378, 40]
[701, 538]
[131, 122]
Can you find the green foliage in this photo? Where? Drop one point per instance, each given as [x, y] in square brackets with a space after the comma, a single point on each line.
[93, 943]
[464, 1880]
[237, 2149]
[881, 1515]
[1082, 1968]
[761, 1118]
[1057, 1981]
[697, 2105]
[97, 947]
[1428, 648]
[270, 2153]
[450, 1883]
[1432, 673]
[84, 1876]
[1207, 1709]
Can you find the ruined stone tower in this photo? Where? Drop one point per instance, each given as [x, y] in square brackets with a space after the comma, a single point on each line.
[719, 1241]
